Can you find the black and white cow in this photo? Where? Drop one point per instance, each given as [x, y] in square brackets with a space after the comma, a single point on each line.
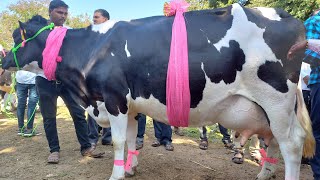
[239, 76]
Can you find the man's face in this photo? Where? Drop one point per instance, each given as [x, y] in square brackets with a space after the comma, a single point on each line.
[58, 16]
[98, 18]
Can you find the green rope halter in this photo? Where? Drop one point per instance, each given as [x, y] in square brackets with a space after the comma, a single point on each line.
[15, 49]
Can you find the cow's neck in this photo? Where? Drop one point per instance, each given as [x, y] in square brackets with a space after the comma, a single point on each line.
[75, 54]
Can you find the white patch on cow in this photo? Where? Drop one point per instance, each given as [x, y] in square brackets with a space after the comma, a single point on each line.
[103, 27]
[204, 34]
[112, 54]
[257, 51]
[269, 13]
[102, 119]
[126, 49]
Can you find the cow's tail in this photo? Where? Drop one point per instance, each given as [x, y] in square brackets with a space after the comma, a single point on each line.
[304, 119]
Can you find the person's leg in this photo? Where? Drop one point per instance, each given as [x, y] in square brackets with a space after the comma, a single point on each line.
[157, 130]
[315, 118]
[254, 148]
[22, 94]
[141, 118]
[48, 107]
[32, 103]
[78, 116]
[226, 137]
[92, 130]
[306, 98]
[106, 138]
[203, 138]
[164, 134]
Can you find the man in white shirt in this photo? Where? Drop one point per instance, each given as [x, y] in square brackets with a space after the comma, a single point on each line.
[303, 83]
[100, 18]
[26, 90]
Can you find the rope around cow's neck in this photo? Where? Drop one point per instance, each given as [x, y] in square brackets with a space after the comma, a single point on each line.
[22, 44]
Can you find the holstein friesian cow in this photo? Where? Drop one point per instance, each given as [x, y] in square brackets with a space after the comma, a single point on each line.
[238, 72]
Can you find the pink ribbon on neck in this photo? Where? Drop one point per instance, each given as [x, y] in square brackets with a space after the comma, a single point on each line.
[51, 52]
[129, 159]
[177, 89]
[267, 159]
[23, 43]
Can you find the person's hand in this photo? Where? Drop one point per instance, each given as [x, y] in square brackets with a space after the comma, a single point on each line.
[296, 47]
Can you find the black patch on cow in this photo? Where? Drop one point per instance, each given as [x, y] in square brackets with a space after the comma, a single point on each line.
[96, 112]
[224, 64]
[273, 74]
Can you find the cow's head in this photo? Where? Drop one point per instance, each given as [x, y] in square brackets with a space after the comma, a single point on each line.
[29, 40]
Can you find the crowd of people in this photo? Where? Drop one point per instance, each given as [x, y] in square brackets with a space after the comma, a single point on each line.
[34, 88]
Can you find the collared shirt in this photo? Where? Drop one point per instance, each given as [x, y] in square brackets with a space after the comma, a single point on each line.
[305, 71]
[312, 25]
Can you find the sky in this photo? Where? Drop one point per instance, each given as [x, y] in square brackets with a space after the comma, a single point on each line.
[118, 9]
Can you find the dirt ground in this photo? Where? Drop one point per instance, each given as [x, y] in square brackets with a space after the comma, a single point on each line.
[25, 158]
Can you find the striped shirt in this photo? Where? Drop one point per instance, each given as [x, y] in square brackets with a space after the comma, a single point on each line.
[312, 25]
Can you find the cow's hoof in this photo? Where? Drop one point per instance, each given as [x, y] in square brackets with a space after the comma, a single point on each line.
[132, 173]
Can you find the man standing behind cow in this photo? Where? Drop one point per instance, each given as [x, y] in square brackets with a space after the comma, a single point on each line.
[49, 92]
[312, 57]
[100, 18]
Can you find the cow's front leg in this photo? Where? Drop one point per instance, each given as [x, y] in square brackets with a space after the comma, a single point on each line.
[132, 159]
[118, 130]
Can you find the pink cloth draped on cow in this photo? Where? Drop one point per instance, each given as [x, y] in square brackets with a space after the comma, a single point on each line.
[178, 91]
[51, 52]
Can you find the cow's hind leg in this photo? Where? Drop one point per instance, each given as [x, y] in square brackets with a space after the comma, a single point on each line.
[118, 131]
[269, 168]
[290, 136]
[132, 158]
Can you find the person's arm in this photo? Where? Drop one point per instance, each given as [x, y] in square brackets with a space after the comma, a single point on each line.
[306, 79]
[296, 47]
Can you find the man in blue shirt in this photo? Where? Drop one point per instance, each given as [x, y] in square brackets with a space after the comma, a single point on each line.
[312, 25]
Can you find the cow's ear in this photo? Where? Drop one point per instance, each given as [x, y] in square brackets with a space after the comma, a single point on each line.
[22, 25]
[22, 30]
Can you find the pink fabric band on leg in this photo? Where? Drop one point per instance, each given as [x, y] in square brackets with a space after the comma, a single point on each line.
[118, 162]
[129, 159]
[267, 159]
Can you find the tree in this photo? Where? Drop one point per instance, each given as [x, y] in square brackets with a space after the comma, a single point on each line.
[24, 10]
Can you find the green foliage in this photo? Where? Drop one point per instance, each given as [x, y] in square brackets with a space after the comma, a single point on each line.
[24, 10]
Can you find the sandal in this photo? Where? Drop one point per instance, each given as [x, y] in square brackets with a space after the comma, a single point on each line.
[53, 158]
[228, 144]
[90, 152]
[238, 157]
[156, 143]
[203, 144]
[169, 146]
